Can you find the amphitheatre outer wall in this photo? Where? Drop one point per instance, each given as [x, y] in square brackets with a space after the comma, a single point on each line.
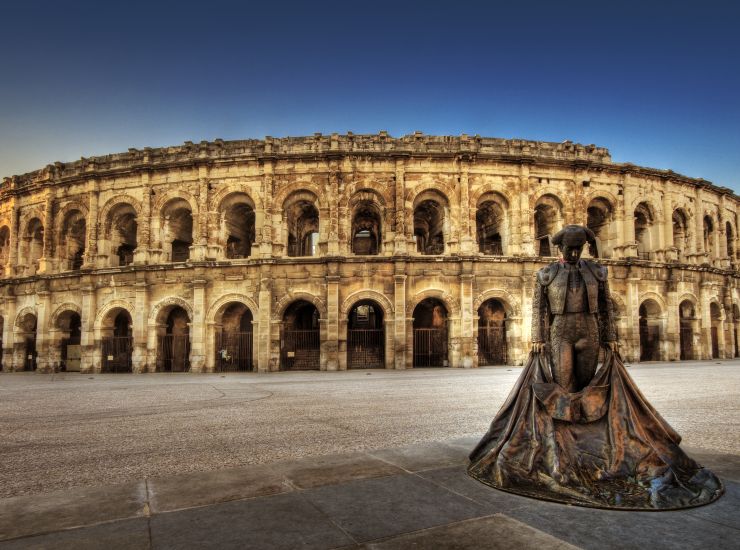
[337, 251]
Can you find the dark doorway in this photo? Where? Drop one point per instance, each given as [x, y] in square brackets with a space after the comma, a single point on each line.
[174, 345]
[118, 344]
[70, 352]
[234, 340]
[300, 342]
[716, 318]
[492, 333]
[687, 317]
[365, 336]
[649, 331]
[430, 334]
[28, 328]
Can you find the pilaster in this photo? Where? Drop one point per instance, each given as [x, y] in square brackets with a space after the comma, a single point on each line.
[198, 326]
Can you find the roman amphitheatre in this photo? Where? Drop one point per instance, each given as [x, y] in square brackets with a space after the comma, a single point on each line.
[333, 252]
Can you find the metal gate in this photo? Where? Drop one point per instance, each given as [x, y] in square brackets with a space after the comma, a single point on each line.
[492, 345]
[715, 343]
[430, 347]
[365, 348]
[29, 359]
[686, 338]
[174, 352]
[234, 351]
[117, 353]
[300, 349]
[649, 343]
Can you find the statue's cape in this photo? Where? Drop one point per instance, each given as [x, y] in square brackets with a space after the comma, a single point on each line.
[604, 446]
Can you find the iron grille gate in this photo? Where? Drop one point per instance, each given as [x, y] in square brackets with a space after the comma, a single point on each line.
[174, 352]
[430, 347]
[29, 358]
[234, 351]
[649, 343]
[491, 345]
[300, 349]
[686, 337]
[117, 353]
[365, 348]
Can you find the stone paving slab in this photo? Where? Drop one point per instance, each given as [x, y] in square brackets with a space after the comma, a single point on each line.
[392, 499]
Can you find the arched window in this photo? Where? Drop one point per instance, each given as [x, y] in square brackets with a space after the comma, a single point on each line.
[32, 246]
[548, 218]
[730, 236]
[4, 248]
[177, 229]
[490, 226]
[121, 235]
[237, 226]
[709, 237]
[71, 245]
[429, 223]
[599, 218]
[366, 229]
[680, 232]
[302, 219]
[644, 227]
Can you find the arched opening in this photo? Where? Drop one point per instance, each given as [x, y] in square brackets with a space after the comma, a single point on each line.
[429, 220]
[489, 225]
[69, 326]
[730, 237]
[121, 234]
[365, 336]
[430, 334]
[237, 226]
[599, 218]
[715, 315]
[300, 344]
[117, 341]
[687, 321]
[649, 331]
[366, 230]
[644, 223]
[71, 246]
[27, 338]
[736, 328]
[492, 349]
[548, 218]
[302, 219]
[33, 241]
[173, 350]
[4, 248]
[709, 237]
[177, 228]
[680, 232]
[234, 338]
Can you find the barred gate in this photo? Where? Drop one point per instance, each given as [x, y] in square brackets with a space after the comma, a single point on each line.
[173, 352]
[29, 358]
[430, 347]
[300, 349]
[234, 351]
[117, 353]
[649, 343]
[365, 348]
[686, 335]
[492, 345]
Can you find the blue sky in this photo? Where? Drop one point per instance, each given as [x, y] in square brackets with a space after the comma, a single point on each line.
[658, 83]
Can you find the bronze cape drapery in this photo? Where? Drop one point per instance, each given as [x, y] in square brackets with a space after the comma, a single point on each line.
[604, 446]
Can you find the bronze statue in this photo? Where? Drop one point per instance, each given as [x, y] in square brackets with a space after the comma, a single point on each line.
[571, 433]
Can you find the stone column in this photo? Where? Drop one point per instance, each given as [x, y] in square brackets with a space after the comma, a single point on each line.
[699, 227]
[628, 242]
[198, 326]
[467, 318]
[335, 176]
[14, 241]
[8, 306]
[668, 228]
[266, 229]
[522, 217]
[399, 305]
[467, 243]
[91, 248]
[90, 360]
[400, 245]
[332, 312]
[143, 255]
[631, 340]
[140, 361]
[43, 333]
[705, 321]
[672, 336]
[264, 325]
[46, 261]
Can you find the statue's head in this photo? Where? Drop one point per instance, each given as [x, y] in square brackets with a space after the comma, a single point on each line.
[570, 240]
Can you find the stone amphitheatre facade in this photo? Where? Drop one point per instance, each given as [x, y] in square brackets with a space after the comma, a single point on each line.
[342, 251]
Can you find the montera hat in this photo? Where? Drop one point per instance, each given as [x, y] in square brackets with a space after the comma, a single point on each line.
[574, 235]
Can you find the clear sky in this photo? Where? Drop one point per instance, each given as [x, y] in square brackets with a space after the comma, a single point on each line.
[658, 83]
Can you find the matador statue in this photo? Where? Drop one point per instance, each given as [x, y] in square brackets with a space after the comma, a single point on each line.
[575, 432]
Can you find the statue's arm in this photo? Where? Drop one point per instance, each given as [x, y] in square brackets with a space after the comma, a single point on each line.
[539, 313]
[607, 328]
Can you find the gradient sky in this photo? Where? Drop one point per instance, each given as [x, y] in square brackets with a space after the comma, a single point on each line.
[658, 83]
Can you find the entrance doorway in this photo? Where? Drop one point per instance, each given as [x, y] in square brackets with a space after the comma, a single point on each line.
[300, 341]
[687, 319]
[365, 336]
[649, 331]
[117, 343]
[430, 334]
[492, 333]
[173, 353]
[234, 340]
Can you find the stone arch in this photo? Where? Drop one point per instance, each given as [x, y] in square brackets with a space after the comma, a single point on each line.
[601, 219]
[65, 210]
[27, 216]
[603, 194]
[64, 308]
[645, 228]
[107, 308]
[70, 236]
[437, 191]
[654, 206]
[494, 189]
[234, 224]
[656, 298]
[227, 299]
[224, 192]
[368, 221]
[350, 196]
[302, 222]
[164, 305]
[293, 296]
[172, 195]
[19, 316]
[512, 305]
[691, 298]
[111, 204]
[284, 193]
[681, 231]
[453, 308]
[548, 217]
[491, 221]
[366, 294]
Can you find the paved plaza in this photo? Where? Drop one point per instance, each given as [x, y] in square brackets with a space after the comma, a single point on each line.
[70, 430]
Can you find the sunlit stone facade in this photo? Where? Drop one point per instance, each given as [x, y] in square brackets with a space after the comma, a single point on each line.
[342, 251]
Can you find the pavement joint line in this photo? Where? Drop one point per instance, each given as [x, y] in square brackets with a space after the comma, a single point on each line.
[715, 522]
[327, 517]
